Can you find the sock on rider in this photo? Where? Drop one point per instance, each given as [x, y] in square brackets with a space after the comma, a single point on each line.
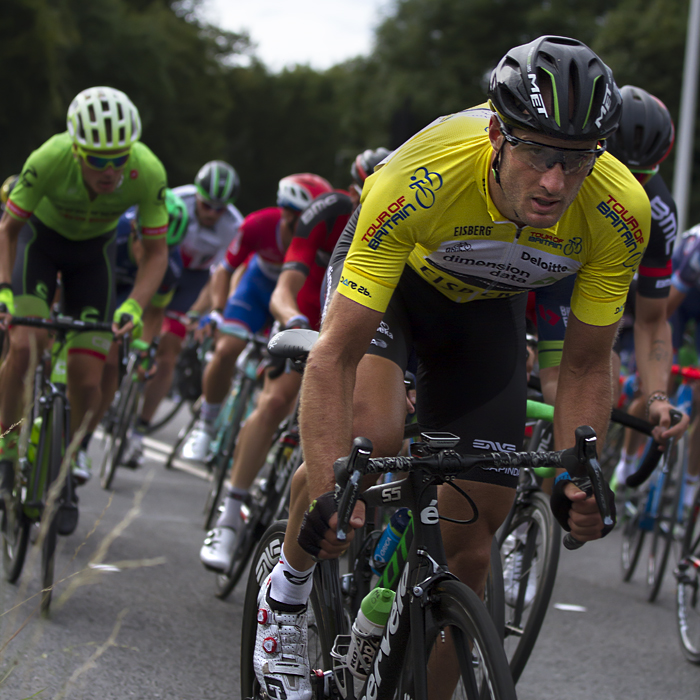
[231, 515]
[210, 411]
[289, 586]
[625, 466]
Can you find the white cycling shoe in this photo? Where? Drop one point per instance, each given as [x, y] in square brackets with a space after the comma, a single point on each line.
[513, 573]
[281, 657]
[217, 551]
[196, 446]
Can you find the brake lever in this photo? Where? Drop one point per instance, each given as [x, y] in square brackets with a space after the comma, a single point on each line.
[586, 474]
[349, 473]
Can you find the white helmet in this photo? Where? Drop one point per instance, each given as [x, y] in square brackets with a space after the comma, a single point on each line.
[102, 118]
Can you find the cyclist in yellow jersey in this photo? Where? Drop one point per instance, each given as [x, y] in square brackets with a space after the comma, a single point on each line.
[61, 217]
[453, 229]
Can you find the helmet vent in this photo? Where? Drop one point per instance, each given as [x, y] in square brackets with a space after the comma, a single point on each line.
[108, 130]
[91, 114]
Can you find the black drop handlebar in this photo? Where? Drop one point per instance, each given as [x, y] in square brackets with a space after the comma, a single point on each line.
[580, 461]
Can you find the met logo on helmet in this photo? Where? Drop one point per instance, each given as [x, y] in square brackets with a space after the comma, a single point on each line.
[536, 95]
[605, 107]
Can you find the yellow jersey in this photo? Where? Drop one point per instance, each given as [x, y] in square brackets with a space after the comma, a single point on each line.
[428, 205]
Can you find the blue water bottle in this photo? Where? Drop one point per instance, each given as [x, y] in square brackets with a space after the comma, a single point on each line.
[389, 539]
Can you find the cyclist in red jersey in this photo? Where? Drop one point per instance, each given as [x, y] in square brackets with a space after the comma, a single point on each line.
[265, 235]
[295, 303]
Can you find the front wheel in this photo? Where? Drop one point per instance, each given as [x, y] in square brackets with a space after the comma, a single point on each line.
[117, 439]
[52, 500]
[688, 587]
[15, 535]
[633, 534]
[530, 554]
[667, 517]
[464, 651]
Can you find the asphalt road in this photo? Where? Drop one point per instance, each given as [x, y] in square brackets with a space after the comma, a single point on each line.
[148, 626]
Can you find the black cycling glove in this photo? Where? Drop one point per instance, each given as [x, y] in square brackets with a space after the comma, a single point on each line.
[561, 505]
[316, 523]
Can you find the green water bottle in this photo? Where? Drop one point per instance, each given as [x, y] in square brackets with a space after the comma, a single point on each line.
[367, 631]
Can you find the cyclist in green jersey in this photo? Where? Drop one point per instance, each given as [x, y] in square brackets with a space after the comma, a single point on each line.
[61, 217]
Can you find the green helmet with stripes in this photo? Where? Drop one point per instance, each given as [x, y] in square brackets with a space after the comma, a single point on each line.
[178, 217]
[217, 183]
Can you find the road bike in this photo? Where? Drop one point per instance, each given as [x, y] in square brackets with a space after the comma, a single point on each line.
[657, 510]
[43, 490]
[119, 422]
[430, 606]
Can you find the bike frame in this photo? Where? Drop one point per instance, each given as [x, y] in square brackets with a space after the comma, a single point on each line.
[425, 566]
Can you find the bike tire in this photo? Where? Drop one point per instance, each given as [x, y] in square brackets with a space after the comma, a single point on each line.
[116, 443]
[494, 595]
[688, 587]
[633, 536]
[167, 417]
[665, 521]
[484, 673]
[223, 458]
[322, 630]
[539, 553]
[15, 536]
[55, 457]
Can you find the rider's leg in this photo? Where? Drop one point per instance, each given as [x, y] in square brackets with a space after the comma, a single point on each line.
[219, 372]
[274, 405]
[14, 369]
[379, 409]
[84, 387]
[108, 384]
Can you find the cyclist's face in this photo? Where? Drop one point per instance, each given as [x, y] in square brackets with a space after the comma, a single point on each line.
[101, 181]
[208, 215]
[529, 197]
[288, 224]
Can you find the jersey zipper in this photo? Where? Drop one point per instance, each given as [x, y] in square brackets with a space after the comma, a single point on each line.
[506, 262]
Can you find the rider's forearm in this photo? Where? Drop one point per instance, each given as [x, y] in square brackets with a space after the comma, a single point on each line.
[653, 351]
[326, 416]
[9, 231]
[219, 287]
[283, 303]
[583, 398]
[152, 268]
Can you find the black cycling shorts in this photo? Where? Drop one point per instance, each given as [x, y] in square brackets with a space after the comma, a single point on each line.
[471, 378]
[86, 267]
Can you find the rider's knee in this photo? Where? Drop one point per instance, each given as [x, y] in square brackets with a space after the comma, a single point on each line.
[275, 406]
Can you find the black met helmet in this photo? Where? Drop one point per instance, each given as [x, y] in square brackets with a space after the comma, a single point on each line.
[364, 163]
[645, 134]
[579, 90]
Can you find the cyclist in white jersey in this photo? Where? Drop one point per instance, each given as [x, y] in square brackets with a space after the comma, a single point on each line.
[214, 222]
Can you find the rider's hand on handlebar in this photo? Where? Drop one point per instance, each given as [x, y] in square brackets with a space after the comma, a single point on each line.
[131, 308]
[584, 517]
[317, 535]
[660, 416]
[7, 307]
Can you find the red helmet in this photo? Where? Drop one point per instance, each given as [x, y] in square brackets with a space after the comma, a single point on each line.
[296, 191]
